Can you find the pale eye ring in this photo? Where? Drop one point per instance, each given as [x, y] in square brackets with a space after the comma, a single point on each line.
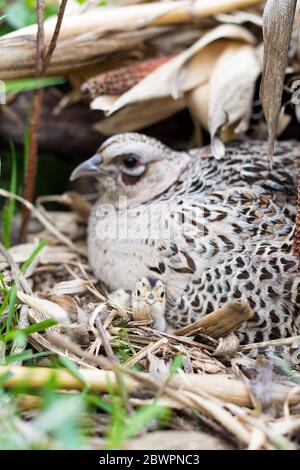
[130, 161]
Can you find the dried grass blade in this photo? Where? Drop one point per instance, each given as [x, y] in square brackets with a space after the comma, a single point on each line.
[43, 220]
[277, 28]
[46, 307]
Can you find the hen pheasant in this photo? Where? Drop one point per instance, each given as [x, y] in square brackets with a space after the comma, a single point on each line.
[212, 231]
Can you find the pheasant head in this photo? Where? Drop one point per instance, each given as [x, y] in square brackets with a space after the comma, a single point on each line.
[135, 166]
[149, 301]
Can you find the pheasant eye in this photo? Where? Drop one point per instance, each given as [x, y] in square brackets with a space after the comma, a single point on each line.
[130, 161]
[138, 293]
[162, 295]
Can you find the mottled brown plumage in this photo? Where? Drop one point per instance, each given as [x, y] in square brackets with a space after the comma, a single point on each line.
[297, 228]
[230, 229]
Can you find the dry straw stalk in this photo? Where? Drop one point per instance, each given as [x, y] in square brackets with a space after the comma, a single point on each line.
[221, 322]
[87, 36]
[221, 386]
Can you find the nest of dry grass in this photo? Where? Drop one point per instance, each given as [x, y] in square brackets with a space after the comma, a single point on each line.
[217, 402]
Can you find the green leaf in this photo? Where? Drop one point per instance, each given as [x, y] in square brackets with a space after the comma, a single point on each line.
[18, 15]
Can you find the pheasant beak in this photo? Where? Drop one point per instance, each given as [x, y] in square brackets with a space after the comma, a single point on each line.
[89, 168]
[151, 299]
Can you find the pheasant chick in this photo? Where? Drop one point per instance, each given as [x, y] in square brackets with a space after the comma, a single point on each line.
[149, 301]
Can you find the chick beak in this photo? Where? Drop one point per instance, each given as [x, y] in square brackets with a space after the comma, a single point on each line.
[88, 168]
[151, 299]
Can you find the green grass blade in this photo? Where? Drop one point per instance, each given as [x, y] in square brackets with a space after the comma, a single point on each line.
[123, 427]
[2, 282]
[15, 86]
[25, 356]
[36, 328]
[4, 303]
[66, 362]
[98, 403]
[288, 370]
[33, 255]
[176, 364]
[9, 208]
[143, 417]
[4, 377]
[11, 307]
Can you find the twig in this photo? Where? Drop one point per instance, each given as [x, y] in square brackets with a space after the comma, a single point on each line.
[106, 344]
[145, 351]
[54, 39]
[42, 61]
[179, 339]
[40, 45]
[111, 356]
[31, 169]
[34, 122]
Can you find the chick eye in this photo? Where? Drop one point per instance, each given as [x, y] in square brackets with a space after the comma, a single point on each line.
[162, 295]
[130, 161]
[138, 293]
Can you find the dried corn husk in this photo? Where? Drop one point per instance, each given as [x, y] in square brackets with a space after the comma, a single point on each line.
[136, 117]
[228, 98]
[187, 70]
[161, 93]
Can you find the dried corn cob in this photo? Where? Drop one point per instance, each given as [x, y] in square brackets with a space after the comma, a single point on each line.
[118, 81]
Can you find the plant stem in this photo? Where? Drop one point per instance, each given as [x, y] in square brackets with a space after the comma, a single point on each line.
[43, 59]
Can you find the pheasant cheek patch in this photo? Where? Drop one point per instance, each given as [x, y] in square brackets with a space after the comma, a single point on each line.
[130, 180]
